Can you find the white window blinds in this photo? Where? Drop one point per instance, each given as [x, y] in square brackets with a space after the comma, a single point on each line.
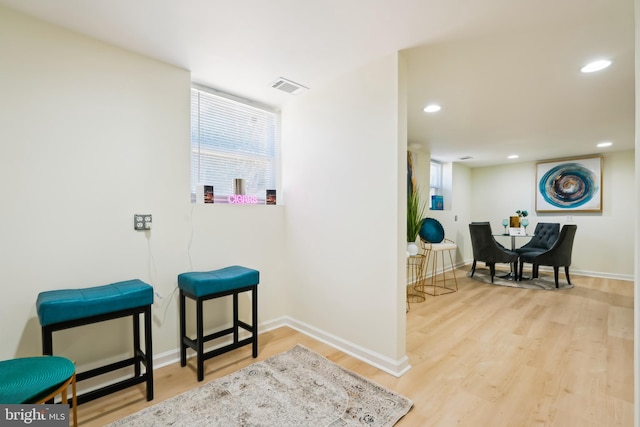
[231, 140]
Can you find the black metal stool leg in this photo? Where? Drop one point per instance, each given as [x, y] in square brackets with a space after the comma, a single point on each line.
[254, 320]
[183, 331]
[47, 341]
[235, 318]
[200, 339]
[136, 344]
[148, 352]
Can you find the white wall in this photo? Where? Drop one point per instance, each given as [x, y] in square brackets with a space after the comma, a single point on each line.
[341, 173]
[91, 134]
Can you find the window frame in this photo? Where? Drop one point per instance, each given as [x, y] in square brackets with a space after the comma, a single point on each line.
[435, 188]
[198, 151]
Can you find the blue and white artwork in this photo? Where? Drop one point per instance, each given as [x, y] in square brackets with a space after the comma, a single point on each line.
[569, 185]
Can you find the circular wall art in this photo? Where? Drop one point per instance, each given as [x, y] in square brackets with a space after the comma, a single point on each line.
[569, 185]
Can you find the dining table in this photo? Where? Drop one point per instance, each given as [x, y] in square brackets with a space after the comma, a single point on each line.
[514, 234]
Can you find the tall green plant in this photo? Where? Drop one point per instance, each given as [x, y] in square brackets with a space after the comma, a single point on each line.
[415, 214]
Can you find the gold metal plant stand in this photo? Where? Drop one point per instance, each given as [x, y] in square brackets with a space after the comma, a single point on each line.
[415, 279]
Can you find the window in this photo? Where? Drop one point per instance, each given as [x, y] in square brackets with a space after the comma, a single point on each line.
[435, 180]
[231, 140]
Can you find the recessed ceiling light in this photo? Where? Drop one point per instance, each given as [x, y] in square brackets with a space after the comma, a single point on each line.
[596, 66]
[605, 144]
[513, 156]
[432, 108]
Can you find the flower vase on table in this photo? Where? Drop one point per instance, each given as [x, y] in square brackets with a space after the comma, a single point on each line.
[515, 221]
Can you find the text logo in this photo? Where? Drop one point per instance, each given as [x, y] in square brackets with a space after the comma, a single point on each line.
[34, 415]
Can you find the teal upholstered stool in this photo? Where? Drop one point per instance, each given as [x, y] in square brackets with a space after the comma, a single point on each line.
[35, 380]
[203, 286]
[69, 308]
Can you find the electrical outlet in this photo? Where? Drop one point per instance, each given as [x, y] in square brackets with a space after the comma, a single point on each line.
[142, 222]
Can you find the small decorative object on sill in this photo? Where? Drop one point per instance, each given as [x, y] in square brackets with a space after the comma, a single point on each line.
[271, 197]
[208, 193]
[437, 203]
[238, 186]
[204, 193]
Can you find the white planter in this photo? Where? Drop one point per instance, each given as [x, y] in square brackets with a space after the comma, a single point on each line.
[412, 249]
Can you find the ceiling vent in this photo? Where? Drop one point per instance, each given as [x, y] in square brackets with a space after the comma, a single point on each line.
[288, 86]
[466, 158]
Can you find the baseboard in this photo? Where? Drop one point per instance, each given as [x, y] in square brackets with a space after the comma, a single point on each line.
[625, 277]
[394, 367]
[572, 272]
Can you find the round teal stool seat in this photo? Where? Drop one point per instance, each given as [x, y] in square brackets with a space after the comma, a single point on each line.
[36, 379]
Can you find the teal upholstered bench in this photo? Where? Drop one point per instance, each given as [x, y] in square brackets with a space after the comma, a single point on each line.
[203, 286]
[69, 308]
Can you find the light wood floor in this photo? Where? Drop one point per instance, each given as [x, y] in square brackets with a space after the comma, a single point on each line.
[484, 356]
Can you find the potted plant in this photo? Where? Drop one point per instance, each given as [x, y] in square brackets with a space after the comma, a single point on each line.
[415, 215]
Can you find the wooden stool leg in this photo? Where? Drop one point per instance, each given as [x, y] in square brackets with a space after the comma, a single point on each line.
[65, 399]
[63, 390]
[453, 270]
[444, 274]
[434, 272]
[74, 401]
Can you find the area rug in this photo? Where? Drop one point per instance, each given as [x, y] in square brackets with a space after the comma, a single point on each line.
[544, 280]
[296, 388]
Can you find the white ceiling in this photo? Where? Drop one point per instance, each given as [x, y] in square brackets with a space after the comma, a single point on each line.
[505, 71]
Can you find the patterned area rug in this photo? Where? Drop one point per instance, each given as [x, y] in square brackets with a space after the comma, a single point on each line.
[544, 280]
[295, 388]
